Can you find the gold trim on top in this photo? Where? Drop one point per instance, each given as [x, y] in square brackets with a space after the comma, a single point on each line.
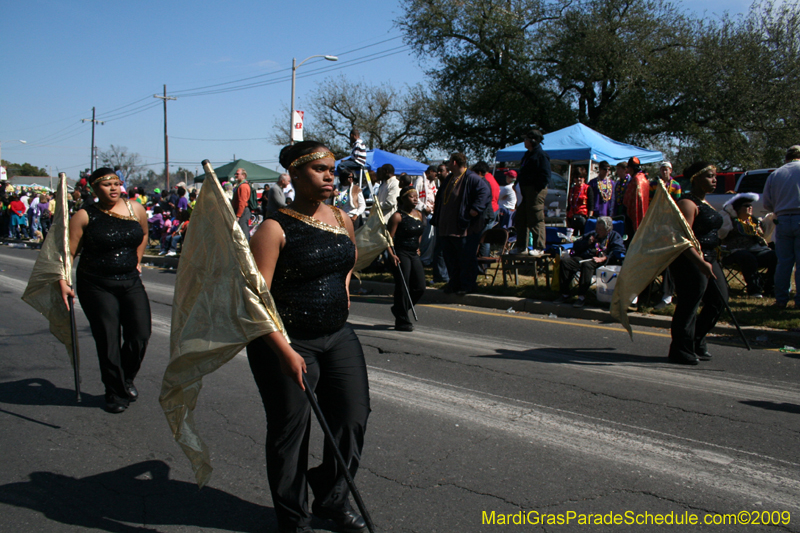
[311, 221]
[116, 215]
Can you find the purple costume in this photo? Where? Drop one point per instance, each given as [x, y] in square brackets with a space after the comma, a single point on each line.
[603, 197]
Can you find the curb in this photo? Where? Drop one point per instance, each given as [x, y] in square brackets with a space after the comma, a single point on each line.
[539, 307]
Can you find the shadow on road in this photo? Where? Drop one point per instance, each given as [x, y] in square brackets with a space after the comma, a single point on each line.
[592, 356]
[36, 391]
[138, 494]
[774, 406]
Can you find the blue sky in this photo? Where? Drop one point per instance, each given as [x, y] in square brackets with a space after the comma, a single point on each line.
[61, 58]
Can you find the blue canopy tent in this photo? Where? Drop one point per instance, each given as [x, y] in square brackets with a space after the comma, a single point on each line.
[377, 158]
[581, 143]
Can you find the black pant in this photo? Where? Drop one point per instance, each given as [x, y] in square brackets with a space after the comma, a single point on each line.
[414, 274]
[338, 373]
[111, 305]
[570, 264]
[689, 329]
[461, 258]
[749, 262]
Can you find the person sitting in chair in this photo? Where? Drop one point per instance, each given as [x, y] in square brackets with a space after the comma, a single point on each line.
[600, 247]
[743, 236]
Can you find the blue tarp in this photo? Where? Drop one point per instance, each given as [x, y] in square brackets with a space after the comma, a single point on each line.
[581, 143]
[377, 158]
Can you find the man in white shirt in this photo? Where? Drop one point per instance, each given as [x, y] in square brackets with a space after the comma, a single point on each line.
[782, 197]
[388, 191]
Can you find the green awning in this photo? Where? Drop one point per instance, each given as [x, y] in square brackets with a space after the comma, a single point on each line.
[255, 173]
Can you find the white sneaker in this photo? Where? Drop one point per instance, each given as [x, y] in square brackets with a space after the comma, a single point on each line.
[162, 253]
[536, 253]
[171, 254]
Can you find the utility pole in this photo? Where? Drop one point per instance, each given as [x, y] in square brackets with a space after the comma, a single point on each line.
[166, 139]
[93, 121]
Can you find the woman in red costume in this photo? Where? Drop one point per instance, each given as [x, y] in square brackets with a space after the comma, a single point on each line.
[580, 197]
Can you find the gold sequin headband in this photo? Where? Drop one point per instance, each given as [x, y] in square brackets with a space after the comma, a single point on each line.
[409, 191]
[105, 178]
[701, 171]
[303, 159]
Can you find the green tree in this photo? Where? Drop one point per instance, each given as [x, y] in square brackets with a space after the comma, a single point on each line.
[25, 169]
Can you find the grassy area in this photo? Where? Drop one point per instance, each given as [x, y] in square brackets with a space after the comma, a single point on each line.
[748, 311]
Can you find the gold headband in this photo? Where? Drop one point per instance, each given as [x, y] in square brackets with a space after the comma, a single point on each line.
[409, 191]
[303, 159]
[701, 171]
[105, 178]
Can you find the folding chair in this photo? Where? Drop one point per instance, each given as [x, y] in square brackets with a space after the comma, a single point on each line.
[497, 238]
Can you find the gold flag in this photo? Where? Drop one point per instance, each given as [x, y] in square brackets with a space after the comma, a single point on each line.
[372, 238]
[221, 303]
[662, 236]
[54, 264]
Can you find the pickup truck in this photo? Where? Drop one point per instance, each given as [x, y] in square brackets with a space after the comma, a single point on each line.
[750, 181]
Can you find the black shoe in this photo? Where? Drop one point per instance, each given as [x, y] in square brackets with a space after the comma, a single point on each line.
[681, 359]
[346, 519]
[562, 299]
[133, 392]
[115, 407]
[703, 354]
[403, 327]
[295, 529]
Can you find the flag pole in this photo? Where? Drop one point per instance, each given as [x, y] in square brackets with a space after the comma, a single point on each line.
[339, 459]
[76, 356]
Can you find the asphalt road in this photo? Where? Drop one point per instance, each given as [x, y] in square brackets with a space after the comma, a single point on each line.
[476, 412]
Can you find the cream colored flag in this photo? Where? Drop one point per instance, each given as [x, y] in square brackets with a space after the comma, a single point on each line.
[372, 238]
[221, 303]
[53, 264]
[662, 236]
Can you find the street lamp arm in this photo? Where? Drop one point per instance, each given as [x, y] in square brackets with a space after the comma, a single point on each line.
[295, 66]
[327, 57]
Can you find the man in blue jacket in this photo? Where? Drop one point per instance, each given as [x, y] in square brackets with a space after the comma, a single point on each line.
[600, 247]
[458, 216]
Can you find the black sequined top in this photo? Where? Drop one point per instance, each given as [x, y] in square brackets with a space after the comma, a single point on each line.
[706, 224]
[109, 245]
[406, 236]
[309, 281]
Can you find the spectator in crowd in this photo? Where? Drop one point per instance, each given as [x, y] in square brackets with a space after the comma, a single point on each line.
[600, 247]
[602, 192]
[674, 190]
[743, 236]
[637, 196]
[426, 192]
[183, 201]
[481, 168]
[120, 175]
[358, 154]
[349, 197]
[697, 273]
[623, 178]
[241, 200]
[275, 198]
[782, 197]
[404, 180]
[388, 191]
[43, 209]
[405, 227]
[19, 218]
[581, 196]
[458, 214]
[507, 200]
[532, 178]
[179, 234]
[156, 223]
[440, 274]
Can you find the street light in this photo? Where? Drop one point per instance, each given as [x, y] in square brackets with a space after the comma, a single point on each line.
[295, 66]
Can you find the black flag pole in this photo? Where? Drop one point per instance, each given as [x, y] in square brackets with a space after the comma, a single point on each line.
[339, 459]
[736, 323]
[76, 356]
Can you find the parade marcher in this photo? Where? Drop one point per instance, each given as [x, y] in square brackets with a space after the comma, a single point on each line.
[306, 253]
[405, 227]
[532, 179]
[697, 273]
[782, 197]
[602, 192]
[111, 236]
